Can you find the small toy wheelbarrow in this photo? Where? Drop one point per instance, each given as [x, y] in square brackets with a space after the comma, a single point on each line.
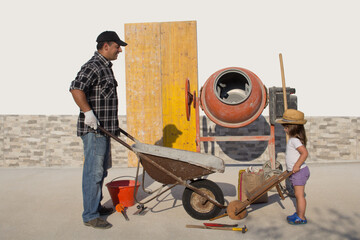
[202, 199]
[237, 209]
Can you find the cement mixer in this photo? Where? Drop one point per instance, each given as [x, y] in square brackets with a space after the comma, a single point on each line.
[233, 97]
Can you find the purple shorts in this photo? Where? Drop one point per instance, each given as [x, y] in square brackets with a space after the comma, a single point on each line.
[299, 178]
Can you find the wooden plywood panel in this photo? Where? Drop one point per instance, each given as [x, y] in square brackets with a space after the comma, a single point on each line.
[178, 63]
[143, 83]
[159, 58]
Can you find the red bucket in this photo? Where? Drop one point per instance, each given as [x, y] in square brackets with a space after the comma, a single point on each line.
[122, 191]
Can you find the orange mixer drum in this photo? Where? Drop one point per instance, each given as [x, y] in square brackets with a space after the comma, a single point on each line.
[233, 97]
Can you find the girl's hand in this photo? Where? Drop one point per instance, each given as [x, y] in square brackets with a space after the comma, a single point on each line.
[303, 155]
[296, 168]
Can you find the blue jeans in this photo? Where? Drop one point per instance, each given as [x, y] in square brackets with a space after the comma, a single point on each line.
[97, 153]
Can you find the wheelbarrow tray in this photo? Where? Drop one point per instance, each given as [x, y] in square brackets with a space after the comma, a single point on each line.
[183, 164]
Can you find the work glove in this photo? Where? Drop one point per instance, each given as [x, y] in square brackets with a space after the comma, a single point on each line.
[90, 119]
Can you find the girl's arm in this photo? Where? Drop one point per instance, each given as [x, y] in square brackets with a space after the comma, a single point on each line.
[303, 155]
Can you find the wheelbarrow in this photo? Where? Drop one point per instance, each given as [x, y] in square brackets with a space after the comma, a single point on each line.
[202, 199]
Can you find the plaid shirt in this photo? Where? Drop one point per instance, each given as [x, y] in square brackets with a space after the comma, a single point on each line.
[96, 79]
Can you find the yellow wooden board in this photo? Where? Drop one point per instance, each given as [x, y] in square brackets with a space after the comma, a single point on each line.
[143, 84]
[159, 58]
[178, 63]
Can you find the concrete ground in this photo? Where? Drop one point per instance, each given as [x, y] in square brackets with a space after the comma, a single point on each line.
[46, 203]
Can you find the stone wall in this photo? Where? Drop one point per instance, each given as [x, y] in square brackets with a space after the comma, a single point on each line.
[50, 141]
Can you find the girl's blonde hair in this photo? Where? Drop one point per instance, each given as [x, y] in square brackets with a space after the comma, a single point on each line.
[298, 131]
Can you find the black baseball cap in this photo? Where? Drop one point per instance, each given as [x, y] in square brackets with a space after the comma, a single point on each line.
[110, 36]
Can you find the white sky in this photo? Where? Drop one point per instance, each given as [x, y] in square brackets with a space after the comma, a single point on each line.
[45, 42]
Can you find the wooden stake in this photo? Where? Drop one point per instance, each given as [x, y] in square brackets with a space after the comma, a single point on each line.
[283, 81]
[283, 87]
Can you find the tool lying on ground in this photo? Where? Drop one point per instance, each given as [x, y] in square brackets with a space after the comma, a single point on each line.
[237, 209]
[243, 229]
[141, 210]
[220, 225]
[120, 208]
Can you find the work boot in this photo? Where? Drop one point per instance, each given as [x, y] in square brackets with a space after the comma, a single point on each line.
[105, 211]
[98, 223]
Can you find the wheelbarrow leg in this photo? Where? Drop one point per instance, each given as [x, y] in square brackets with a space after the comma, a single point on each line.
[279, 191]
[141, 204]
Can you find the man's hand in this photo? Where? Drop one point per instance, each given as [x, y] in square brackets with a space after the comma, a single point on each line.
[90, 119]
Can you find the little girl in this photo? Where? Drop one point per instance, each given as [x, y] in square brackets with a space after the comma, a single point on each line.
[296, 153]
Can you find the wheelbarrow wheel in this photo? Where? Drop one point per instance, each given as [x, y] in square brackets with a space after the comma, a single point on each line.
[199, 207]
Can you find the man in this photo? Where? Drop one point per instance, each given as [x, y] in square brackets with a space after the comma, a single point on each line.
[94, 91]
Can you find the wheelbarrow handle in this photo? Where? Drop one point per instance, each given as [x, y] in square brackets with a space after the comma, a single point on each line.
[128, 135]
[115, 138]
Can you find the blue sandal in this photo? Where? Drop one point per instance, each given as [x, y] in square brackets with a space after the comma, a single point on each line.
[295, 220]
[291, 217]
